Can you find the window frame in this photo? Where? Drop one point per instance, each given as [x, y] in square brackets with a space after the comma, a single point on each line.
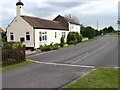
[27, 34]
[55, 34]
[11, 36]
[42, 36]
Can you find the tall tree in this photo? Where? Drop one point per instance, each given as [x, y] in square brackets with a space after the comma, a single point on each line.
[72, 17]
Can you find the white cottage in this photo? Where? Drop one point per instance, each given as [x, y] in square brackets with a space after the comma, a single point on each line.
[34, 31]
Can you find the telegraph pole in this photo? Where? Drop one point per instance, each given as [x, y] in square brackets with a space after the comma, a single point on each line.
[97, 24]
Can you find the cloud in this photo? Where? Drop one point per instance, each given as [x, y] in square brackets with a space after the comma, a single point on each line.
[88, 11]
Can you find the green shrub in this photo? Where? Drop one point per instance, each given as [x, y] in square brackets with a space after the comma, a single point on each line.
[79, 37]
[17, 45]
[45, 47]
[62, 42]
[55, 47]
[89, 32]
[72, 38]
[49, 47]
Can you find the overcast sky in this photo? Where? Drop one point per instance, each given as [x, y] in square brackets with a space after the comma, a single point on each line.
[88, 11]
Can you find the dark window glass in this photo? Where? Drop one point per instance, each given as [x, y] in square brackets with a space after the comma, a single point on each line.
[55, 34]
[11, 37]
[27, 37]
[45, 35]
[40, 37]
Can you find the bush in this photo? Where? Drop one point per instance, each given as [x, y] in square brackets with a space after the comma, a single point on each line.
[49, 47]
[55, 47]
[73, 38]
[89, 32]
[79, 37]
[17, 45]
[62, 42]
[45, 47]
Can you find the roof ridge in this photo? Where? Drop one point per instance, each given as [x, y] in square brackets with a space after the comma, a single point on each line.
[39, 18]
[37, 22]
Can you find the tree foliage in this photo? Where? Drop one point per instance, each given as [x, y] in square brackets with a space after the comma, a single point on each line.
[72, 18]
[89, 32]
[73, 38]
[62, 42]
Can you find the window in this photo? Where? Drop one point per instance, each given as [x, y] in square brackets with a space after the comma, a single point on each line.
[40, 36]
[11, 36]
[27, 36]
[43, 36]
[76, 27]
[72, 26]
[55, 34]
[63, 34]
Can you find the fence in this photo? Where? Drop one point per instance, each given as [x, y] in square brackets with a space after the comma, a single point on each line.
[12, 56]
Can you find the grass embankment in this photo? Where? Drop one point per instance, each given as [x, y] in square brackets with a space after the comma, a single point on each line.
[112, 34]
[15, 65]
[100, 78]
[89, 40]
[86, 41]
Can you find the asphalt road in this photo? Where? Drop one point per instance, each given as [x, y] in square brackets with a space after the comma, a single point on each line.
[57, 68]
[101, 52]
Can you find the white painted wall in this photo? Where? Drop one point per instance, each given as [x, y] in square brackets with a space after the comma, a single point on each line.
[50, 36]
[19, 10]
[74, 28]
[19, 27]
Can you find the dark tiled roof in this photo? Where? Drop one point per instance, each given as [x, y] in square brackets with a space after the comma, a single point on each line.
[1, 30]
[67, 19]
[39, 23]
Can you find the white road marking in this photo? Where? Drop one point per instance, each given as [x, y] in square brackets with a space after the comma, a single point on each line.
[41, 53]
[88, 54]
[77, 58]
[59, 64]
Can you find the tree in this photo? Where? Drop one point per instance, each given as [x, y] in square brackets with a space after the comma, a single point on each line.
[105, 30]
[97, 32]
[110, 29]
[4, 37]
[62, 42]
[79, 37]
[89, 32]
[72, 18]
[82, 28]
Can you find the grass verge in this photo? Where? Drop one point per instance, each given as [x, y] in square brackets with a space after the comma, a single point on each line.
[112, 34]
[100, 78]
[89, 40]
[86, 41]
[15, 65]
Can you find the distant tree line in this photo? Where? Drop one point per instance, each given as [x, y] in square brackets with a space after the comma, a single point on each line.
[90, 32]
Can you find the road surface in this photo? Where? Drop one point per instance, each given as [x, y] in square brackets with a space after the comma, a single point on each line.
[101, 52]
[57, 68]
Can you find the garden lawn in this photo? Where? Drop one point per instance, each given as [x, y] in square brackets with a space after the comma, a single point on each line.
[16, 65]
[99, 78]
